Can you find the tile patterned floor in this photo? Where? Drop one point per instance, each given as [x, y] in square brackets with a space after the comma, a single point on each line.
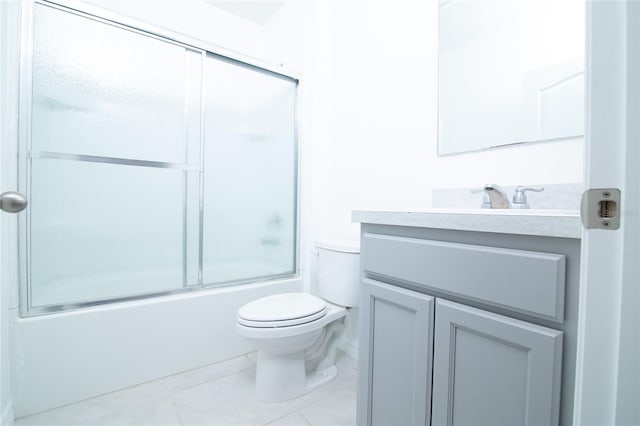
[218, 395]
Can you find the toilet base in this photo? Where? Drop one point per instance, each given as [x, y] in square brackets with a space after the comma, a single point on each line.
[280, 377]
[283, 377]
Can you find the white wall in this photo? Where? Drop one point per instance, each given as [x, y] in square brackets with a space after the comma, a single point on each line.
[554, 162]
[377, 118]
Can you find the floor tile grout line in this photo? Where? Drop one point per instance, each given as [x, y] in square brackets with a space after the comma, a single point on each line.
[182, 388]
[175, 391]
[51, 412]
[305, 419]
[180, 422]
[216, 379]
[207, 366]
[270, 422]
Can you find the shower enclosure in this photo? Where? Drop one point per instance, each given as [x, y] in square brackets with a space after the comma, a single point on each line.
[152, 165]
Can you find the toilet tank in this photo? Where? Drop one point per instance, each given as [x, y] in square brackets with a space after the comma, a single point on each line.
[339, 272]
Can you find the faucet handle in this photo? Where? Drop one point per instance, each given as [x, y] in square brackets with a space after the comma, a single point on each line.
[486, 203]
[520, 196]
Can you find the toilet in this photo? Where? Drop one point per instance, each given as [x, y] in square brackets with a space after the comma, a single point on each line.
[297, 334]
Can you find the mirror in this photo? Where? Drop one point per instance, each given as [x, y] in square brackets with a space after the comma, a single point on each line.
[509, 71]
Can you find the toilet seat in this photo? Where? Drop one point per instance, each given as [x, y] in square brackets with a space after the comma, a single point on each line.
[282, 310]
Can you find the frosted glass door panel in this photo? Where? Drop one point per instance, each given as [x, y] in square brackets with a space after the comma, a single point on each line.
[103, 90]
[249, 173]
[101, 231]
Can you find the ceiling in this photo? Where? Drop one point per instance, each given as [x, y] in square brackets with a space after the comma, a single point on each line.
[258, 12]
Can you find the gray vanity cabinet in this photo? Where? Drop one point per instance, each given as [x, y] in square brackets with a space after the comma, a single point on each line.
[480, 368]
[396, 388]
[466, 329]
[493, 370]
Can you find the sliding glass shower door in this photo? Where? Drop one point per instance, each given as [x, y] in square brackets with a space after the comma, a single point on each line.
[250, 177]
[152, 167]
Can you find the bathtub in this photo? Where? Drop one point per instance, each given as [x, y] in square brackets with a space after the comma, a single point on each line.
[61, 358]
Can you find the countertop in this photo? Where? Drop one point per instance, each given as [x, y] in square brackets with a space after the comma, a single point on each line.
[550, 223]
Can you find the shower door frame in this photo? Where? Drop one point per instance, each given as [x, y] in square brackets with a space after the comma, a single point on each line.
[25, 154]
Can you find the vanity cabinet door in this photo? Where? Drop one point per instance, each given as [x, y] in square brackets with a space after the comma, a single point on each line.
[395, 360]
[493, 370]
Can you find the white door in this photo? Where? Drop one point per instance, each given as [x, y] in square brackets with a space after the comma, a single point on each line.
[9, 18]
[608, 377]
[4, 335]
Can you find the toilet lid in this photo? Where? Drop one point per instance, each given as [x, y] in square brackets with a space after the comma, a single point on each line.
[282, 310]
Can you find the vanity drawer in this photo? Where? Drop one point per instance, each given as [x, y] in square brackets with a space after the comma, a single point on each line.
[529, 282]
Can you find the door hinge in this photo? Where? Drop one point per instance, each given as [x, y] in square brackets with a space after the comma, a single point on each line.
[600, 208]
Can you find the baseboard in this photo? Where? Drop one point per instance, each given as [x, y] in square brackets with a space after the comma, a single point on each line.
[7, 416]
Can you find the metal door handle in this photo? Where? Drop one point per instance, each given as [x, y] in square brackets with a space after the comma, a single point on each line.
[12, 202]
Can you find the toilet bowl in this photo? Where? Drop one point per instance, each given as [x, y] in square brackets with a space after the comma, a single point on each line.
[297, 334]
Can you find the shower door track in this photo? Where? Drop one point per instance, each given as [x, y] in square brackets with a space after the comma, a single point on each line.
[131, 24]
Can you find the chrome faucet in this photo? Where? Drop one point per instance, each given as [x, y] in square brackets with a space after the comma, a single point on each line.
[497, 197]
